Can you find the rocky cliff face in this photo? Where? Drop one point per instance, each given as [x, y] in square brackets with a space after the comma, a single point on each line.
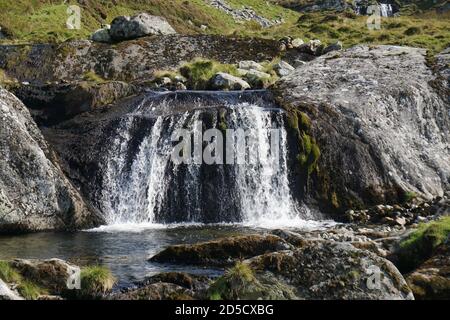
[34, 194]
[380, 118]
[126, 61]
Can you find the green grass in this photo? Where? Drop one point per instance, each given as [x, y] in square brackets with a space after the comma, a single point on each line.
[232, 282]
[96, 280]
[421, 244]
[45, 21]
[8, 274]
[27, 289]
[93, 77]
[200, 71]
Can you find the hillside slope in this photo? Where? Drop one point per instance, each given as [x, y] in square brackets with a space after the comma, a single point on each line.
[45, 21]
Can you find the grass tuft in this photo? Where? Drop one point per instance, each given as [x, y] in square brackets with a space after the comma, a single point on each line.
[96, 281]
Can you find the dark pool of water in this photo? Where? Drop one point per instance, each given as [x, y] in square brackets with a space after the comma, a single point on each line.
[124, 252]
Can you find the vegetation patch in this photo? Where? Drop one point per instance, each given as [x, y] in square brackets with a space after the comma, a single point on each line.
[96, 281]
[421, 244]
[233, 283]
[26, 288]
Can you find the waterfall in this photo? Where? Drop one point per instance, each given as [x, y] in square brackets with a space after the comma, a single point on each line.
[386, 10]
[141, 183]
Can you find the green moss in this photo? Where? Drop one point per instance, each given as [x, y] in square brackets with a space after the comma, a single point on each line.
[421, 244]
[408, 196]
[96, 280]
[93, 77]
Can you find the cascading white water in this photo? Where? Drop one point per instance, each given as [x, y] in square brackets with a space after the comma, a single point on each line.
[146, 186]
[386, 9]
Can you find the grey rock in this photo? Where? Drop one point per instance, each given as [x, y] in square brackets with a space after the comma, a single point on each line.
[102, 35]
[34, 193]
[143, 24]
[283, 68]
[337, 46]
[297, 42]
[250, 65]
[313, 47]
[330, 270]
[225, 81]
[379, 105]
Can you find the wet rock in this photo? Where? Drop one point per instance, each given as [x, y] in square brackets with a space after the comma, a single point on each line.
[331, 270]
[52, 274]
[34, 193]
[225, 81]
[143, 24]
[283, 68]
[221, 252]
[7, 294]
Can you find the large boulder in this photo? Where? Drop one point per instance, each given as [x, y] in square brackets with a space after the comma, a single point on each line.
[34, 193]
[221, 252]
[331, 270]
[143, 24]
[378, 120]
[51, 274]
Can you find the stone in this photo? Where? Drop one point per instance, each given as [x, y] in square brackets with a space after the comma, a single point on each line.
[256, 79]
[337, 46]
[283, 68]
[34, 192]
[250, 65]
[348, 99]
[221, 252]
[431, 280]
[331, 270]
[297, 42]
[313, 47]
[102, 35]
[225, 81]
[143, 24]
[155, 291]
[51, 274]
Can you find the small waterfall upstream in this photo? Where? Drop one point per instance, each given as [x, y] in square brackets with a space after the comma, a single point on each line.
[141, 183]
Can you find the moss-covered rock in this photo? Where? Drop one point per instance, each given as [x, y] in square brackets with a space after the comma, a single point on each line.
[221, 252]
[422, 244]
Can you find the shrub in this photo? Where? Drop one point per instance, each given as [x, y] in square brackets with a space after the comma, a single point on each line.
[232, 283]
